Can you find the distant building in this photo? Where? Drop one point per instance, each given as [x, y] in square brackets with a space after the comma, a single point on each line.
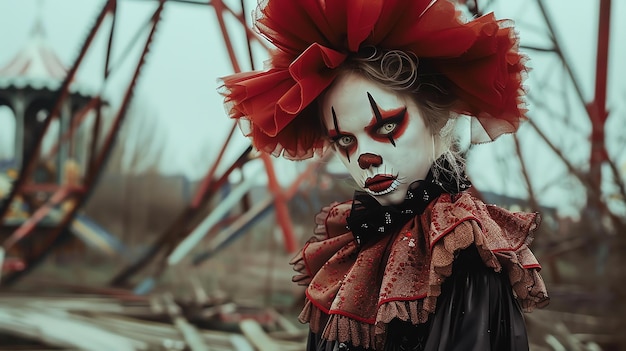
[29, 87]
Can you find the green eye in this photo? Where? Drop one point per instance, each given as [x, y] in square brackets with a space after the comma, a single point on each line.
[387, 128]
[345, 141]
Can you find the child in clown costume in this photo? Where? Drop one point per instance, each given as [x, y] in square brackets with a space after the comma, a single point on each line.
[413, 261]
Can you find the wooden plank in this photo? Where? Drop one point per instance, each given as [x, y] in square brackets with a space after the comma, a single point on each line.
[189, 332]
[257, 336]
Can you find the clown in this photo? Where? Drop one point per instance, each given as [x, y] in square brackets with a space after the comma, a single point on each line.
[413, 261]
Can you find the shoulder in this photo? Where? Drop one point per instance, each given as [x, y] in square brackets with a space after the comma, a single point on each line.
[508, 229]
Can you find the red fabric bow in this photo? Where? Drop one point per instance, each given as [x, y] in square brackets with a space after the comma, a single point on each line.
[314, 37]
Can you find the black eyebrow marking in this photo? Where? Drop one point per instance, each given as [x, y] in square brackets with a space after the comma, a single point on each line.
[336, 125]
[374, 106]
[379, 117]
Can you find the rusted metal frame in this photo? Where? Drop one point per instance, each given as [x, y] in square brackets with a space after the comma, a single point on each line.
[10, 264]
[40, 187]
[207, 187]
[582, 178]
[250, 34]
[568, 68]
[596, 111]
[245, 201]
[282, 212]
[208, 222]
[95, 130]
[122, 277]
[107, 61]
[234, 230]
[559, 52]
[195, 214]
[76, 121]
[604, 30]
[245, 26]
[617, 221]
[204, 187]
[219, 7]
[31, 158]
[597, 108]
[537, 48]
[129, 45]
[108, 69]
[61, 194]
[95, 138]
[92, 176]
[293, 188]
[111, 136]
[570, 167]
[174, 230]
[257, 211]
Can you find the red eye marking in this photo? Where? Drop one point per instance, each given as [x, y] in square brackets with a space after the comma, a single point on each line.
[386, 124]
[390, 127]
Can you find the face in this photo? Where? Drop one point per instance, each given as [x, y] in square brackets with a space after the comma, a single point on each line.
[379, 135]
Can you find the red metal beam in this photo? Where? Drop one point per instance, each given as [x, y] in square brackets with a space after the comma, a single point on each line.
[602, 59]
[219, 7]
[250, 34]
[31, 223]
[178, 230]
[280, 204]
[40, 187]
[597, 108]
[121, 114]
[204, 187]
[251, 215]
[29, 163]
[92, 176]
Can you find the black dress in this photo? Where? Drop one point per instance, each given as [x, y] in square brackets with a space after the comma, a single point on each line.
[475, 311]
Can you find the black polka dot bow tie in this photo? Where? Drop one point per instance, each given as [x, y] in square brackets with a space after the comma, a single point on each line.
[369, 220]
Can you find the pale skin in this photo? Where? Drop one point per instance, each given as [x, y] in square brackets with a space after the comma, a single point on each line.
[379, 135]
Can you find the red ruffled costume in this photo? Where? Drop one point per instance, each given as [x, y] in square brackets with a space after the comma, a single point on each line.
[354, 292]
[314, 37]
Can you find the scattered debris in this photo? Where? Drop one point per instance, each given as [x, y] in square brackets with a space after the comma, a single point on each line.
[84, 321]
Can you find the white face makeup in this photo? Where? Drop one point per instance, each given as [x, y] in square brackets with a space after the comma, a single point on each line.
[379, 135]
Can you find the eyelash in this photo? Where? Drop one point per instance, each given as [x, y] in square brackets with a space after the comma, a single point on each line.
[337, 141]
[395, 121]
[381, 130]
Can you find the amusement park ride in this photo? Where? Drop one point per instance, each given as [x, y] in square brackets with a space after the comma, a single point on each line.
[48, 189]
[41, 210]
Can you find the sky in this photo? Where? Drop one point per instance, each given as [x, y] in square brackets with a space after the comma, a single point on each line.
[177, 89]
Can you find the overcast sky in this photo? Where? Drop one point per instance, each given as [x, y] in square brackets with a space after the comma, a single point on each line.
[177, 88]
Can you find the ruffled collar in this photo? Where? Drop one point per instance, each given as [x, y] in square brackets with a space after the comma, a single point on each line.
[369, 220]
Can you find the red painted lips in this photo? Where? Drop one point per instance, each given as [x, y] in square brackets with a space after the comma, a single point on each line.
[379, 182]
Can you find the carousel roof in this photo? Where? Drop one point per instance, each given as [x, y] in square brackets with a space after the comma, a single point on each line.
[36, 66]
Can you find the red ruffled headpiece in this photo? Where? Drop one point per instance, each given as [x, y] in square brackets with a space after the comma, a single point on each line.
[314, 37]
